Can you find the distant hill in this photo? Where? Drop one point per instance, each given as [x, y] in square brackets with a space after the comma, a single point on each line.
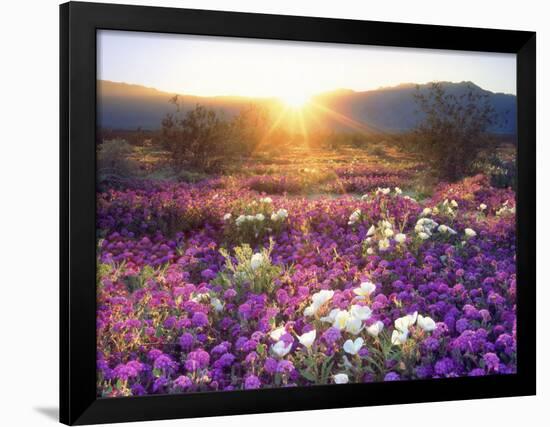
[392, 109]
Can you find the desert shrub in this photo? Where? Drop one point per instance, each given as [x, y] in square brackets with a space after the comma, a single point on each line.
[190, 176]
[247, 129]
[454, 129]
[165, 173]
[114, 160]
[194, 137]
[376, 150]
[203, 140]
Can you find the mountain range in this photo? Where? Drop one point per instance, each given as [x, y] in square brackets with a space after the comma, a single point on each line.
[392, 109]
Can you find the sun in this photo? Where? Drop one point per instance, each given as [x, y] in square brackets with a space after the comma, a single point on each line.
[295, 100]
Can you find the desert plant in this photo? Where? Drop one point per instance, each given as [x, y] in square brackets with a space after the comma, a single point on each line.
[247, 129]
[114, 159]
[454, 129]
[193, 137]
[250, 270]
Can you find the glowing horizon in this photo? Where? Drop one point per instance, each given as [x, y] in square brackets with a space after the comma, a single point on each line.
[291, 71]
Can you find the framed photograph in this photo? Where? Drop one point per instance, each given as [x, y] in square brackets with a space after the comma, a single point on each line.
[268, 213]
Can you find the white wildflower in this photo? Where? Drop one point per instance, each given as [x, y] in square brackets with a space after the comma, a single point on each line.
[341, 319]
[361, 312]
[354, 325]
[365, 289]
[353, 347]
[424, 227]
[398, 337]
[375, 329]
[444, 229]
[340, 378]
[354, 217]
[400, 238]
[308, 338]
[282, 213]
[256, 261]
[469, 232]
[317, 300]
[371, 230]
[216, 304]
[331, 316]
[281, 349]
[386, 224]
[276, 334]
[403, 323]
[383, 244]
[425, 323]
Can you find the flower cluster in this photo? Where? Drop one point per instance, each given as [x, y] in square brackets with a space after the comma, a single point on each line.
[214, 286]
[251, 226]
[425, 227]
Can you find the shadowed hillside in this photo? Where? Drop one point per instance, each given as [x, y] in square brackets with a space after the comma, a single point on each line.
[393, 109]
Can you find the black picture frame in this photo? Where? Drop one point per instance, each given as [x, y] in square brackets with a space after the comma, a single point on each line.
[78, 25]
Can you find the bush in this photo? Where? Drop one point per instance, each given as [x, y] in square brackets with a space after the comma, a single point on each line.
[195, 137]
[190, 176]
[376, 150]
[454, 129]
[247, 129]
[114, 160]
[203, 140]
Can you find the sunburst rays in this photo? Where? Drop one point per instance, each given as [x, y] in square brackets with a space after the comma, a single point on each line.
[306, 117]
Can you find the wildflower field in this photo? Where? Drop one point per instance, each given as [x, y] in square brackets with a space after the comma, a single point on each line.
[302, 269]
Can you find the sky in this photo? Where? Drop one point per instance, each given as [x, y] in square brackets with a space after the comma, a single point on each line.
[211, 66]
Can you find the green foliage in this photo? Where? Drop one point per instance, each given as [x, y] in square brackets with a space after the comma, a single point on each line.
[194, 137]
[201, 138]
[454, 130]
[380, 353]
[175, 219]
[135, 282]
[318, 368]
[252, 271]
[103, 270]
[502, 173]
